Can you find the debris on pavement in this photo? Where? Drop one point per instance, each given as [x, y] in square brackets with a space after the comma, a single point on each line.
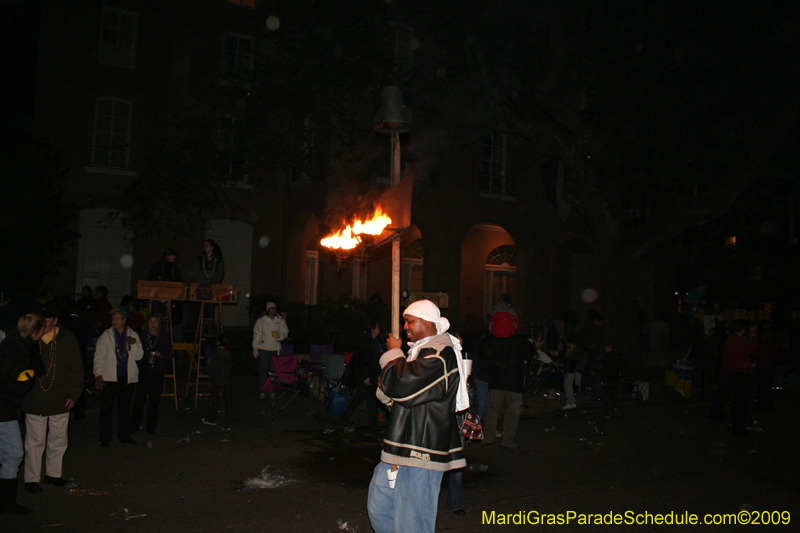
[346, 526]
[269, 479]
[88, 492]
[122, 513]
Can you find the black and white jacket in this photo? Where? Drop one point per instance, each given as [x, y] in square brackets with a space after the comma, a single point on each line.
[422, 430]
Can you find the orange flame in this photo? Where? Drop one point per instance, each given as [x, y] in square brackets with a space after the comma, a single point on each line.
[347, 239]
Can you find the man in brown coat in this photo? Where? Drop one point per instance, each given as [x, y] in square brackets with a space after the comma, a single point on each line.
[58, 386]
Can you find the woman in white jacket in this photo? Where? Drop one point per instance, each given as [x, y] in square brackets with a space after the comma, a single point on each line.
[268, 333]
[115, 373]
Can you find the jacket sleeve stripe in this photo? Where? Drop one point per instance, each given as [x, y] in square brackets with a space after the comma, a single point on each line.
[421, 391]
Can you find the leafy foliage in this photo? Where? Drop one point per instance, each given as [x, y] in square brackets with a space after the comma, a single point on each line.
[35, 221]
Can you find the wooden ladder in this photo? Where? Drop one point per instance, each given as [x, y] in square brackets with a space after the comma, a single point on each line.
[203, 338]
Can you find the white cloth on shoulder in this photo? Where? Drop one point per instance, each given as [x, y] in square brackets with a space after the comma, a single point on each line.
[428, 311]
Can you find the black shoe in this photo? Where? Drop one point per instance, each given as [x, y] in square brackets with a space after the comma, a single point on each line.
[153, 433]
[9, 504]
[57, 481]
[128, 440]
[33, 488]
[105, 444]
[457, 512]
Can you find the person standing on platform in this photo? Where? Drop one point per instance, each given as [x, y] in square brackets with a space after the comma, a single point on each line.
[268, 333]
[209, 269]
[167, 270]
[48, 403]
[210, 266]
[153, 366]
[115, 371]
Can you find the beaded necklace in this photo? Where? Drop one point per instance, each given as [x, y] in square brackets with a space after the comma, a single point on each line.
[122, 354]
[51, 364]
[152, 344]
[209, 265]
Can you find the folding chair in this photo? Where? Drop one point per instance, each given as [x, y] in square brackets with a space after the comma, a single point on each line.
[283, 380]
[314, 371]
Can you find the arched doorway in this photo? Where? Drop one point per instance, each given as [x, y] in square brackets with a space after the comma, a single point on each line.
[486, 273]
[501, 275]
[235, 238]
[105, 254]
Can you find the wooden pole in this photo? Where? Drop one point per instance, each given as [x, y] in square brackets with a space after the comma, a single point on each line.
[396, 242]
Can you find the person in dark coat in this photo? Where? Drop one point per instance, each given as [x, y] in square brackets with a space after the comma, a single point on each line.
[15, 357]
[167, 269]
[365, 367]
[153, 366]
[80, 329]
[49, 402]
[507, 358]
[220, 378]
[85, 302]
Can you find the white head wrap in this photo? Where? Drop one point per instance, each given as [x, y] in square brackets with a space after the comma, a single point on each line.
[428, 311]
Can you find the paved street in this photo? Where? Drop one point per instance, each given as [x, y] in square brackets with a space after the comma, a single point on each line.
[659, 456]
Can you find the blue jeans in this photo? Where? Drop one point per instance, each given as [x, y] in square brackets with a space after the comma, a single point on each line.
[11, 452]
[408, 508]
[454, 501]
[264, 365]
[483, 399]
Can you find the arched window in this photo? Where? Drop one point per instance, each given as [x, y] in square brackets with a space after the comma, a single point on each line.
[501, 274]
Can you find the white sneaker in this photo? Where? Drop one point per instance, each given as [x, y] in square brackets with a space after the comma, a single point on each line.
[209, 423]
[498, 434]
[262, 396]
[569, 406]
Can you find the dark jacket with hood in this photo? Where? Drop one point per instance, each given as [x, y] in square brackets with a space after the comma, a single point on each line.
[507, 358]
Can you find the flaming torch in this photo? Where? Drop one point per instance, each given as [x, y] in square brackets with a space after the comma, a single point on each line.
[350, 236]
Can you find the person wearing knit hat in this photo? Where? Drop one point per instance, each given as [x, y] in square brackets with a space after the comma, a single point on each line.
[268, 333]
[424, 389]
